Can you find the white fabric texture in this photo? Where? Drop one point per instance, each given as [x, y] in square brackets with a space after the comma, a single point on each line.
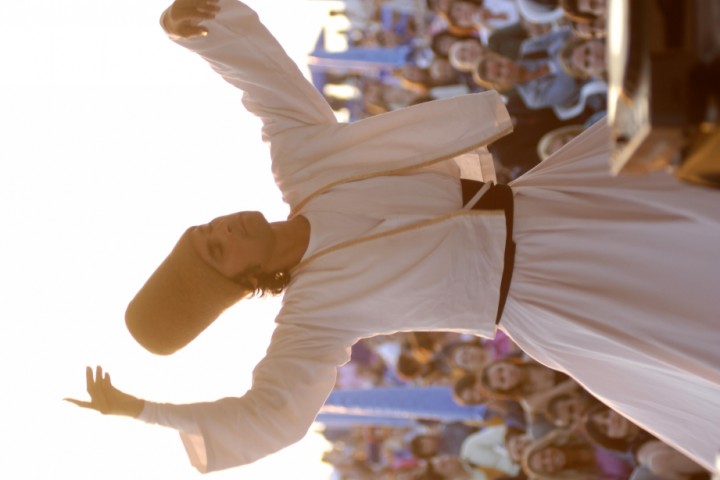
[617, 283]
[487, 448]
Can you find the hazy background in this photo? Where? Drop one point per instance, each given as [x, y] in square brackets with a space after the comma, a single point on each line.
[112, 141]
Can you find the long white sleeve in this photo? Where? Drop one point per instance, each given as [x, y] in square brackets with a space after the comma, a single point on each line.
[289, 386]
[301, 127]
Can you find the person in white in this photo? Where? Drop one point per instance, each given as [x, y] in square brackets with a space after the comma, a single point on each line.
[616, 279]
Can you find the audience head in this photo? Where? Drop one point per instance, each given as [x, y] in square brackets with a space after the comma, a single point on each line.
[468, 390]
[464, 14]
[567, 409]
[608, 429]
[555, 139]
[584, 58]
[496, 72]
[560, 454]
[442, 41]
[424, 445]
[503, 378]
[465, 54]
[516, 441]
[468, 356]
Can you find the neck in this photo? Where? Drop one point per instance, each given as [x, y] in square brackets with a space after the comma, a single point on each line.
[291, 240]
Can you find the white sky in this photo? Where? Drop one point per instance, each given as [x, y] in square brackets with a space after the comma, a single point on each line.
[112, 141]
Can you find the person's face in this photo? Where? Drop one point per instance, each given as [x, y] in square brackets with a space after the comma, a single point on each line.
[502, 71]
[233, 243]
[503, 376]
[444, 43]
[568, 411]
[473, 395]
[468, 51]
[613, 425]
[463, 14]
[548, 460]
[589, 57]
[441, 71]
[471, 357]
[517, 445]
[447, 465]
[593, 7]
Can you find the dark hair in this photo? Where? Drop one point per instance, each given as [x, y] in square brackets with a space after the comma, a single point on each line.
[408, 367]
[416, 449]
[550, 412]
[430, 474]
[563, 439]
[512, 431]
[513, 393]
[448, 15]
[599, 438]
[565, 54]
[435, 41]
[262, 284]
[480, 74]
[465, 382]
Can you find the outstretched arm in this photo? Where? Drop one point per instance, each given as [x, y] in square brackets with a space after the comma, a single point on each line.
[229, 36]
[299, 124]
[289, 386]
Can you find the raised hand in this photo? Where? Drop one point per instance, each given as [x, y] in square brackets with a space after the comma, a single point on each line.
[105, 398]
[184, 17]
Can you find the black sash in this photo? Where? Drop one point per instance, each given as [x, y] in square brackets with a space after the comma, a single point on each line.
[499, 197]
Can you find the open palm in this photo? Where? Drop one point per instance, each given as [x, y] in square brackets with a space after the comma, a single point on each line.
[105, 398]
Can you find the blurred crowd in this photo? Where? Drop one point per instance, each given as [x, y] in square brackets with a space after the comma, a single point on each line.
[547, 59]
[537, 423]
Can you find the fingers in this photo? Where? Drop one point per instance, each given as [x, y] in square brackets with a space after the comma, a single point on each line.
[79, 403]
[89, 380]
[210, 9]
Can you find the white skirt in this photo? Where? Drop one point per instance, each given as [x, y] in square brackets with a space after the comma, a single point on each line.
[617, 283]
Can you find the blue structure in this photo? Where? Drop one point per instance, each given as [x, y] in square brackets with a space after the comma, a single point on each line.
[398, 403]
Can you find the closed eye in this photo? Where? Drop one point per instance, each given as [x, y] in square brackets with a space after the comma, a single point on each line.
[215, 250]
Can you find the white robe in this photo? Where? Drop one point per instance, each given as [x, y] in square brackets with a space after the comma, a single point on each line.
[596, 291]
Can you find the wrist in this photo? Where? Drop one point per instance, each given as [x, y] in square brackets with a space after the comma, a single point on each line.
[133, 407]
